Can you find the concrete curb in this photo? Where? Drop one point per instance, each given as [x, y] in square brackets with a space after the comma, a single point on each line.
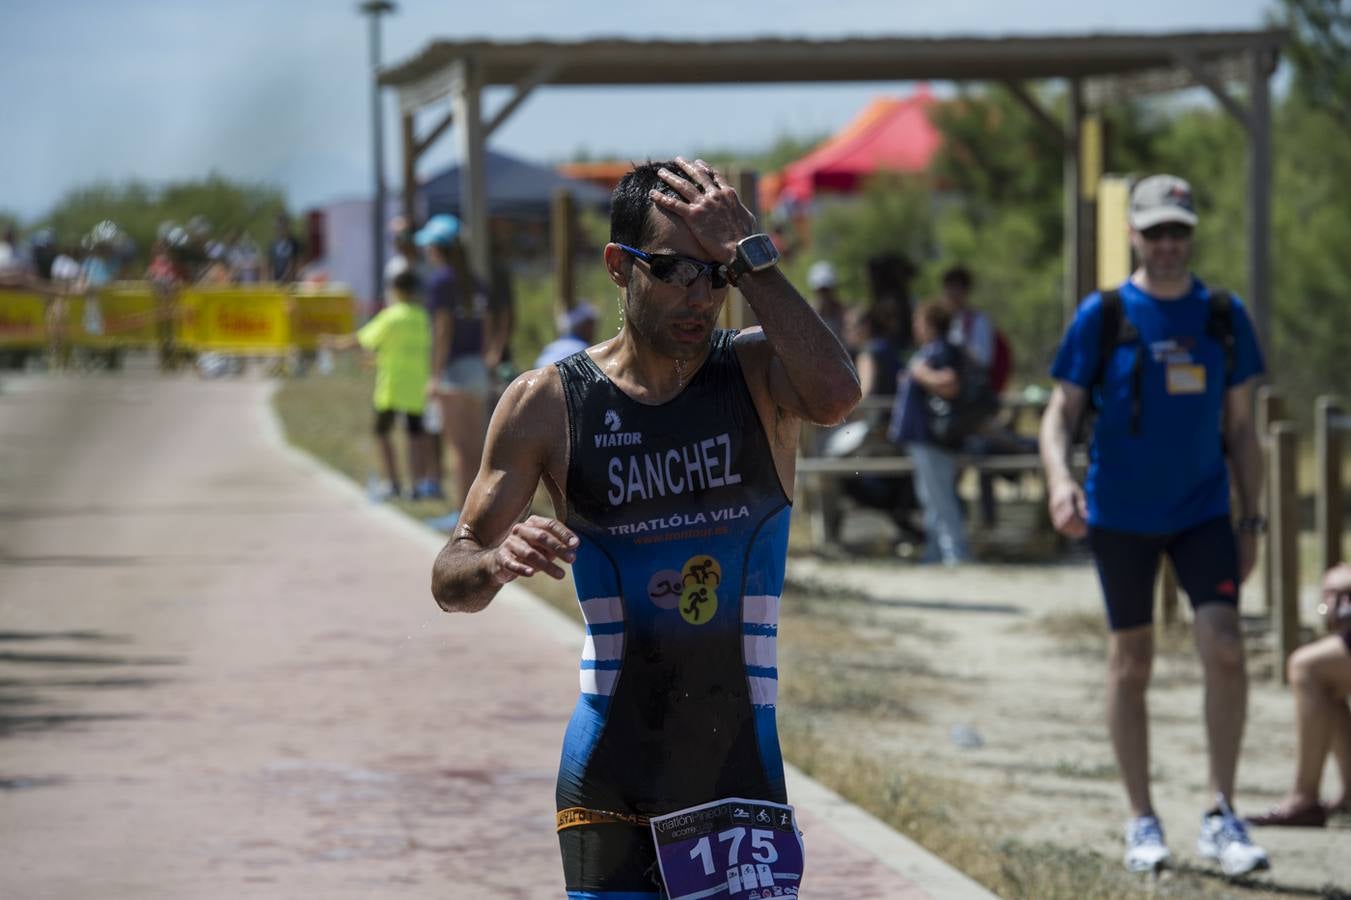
[858, 827]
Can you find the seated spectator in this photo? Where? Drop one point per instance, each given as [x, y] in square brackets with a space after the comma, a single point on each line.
[1320, 678]
[577, 330]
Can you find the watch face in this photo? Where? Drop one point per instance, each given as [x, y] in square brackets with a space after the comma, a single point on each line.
[758, 251]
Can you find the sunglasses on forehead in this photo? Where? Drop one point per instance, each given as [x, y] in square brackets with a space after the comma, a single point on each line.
[1175, 230]
[681, 271]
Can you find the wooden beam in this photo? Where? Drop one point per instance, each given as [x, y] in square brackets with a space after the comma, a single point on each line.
[437, 130]
[410, 154]
[544, 72]
[1187, 59]
[1047, 121]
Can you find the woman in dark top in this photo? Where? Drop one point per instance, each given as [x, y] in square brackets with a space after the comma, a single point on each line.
[459, 372]
[932, 372]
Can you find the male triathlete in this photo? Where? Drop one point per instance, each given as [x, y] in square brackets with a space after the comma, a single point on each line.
[1172, 365]
[671, 494]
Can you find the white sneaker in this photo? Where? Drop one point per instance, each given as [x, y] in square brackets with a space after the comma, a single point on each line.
[1224, 838]
[1145, 849]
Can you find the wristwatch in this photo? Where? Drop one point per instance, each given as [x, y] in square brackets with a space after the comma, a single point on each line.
[754, 253]
[1252, 525]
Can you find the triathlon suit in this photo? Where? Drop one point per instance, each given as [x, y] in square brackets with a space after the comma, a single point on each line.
[684, 533]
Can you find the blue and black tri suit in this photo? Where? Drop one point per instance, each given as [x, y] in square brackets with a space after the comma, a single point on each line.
[684, 533]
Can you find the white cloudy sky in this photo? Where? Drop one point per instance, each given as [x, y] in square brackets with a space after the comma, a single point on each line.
[277, 90]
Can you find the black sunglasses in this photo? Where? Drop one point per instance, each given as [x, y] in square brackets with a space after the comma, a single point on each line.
[678, 270]
[1175, 230]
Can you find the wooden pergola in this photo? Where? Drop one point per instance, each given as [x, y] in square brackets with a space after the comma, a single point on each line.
[1105, 66]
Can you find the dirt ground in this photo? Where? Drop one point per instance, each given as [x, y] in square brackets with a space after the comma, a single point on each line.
[995, 680]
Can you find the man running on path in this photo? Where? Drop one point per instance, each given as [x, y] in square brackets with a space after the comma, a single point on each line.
[668, 451]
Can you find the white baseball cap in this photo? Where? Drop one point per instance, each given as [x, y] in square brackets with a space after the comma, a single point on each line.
[821, 275]
[576, 317]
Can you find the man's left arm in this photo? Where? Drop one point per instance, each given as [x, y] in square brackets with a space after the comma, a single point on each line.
[810, 373]
[1245, 464]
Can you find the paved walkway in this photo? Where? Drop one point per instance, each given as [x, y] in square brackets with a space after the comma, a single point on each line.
[222, 675]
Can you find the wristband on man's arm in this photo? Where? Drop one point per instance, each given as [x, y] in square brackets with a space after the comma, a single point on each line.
[1252, 525]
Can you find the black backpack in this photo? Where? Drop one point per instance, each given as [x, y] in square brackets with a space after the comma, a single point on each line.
[951, 422]
[1119, 331]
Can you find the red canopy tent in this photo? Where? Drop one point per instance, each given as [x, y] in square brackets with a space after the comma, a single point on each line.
[892, 134]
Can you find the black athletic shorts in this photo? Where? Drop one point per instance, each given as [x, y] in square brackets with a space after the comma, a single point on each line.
[384, 421]
[609, 857]
[1205, 558]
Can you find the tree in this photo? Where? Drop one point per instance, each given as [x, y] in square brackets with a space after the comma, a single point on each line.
[1320, 51]
[139, 209]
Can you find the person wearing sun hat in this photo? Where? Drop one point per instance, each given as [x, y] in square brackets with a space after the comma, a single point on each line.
[1170, 366]
[458, 305]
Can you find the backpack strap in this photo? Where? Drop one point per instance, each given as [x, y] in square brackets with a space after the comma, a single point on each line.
[1220, 327]
[1118, 330]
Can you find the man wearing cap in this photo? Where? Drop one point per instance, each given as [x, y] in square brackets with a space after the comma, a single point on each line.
[1172, 401]
[577, 329]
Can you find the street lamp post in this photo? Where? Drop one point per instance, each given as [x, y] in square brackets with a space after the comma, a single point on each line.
[374, 9]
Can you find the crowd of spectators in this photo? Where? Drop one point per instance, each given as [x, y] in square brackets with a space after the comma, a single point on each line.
[190, 252]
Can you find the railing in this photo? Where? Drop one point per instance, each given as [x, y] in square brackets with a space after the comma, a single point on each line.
[817, 474]
[1281, 442]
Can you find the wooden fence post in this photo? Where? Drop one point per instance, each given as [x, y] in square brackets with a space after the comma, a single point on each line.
[1284, 521]
[1329, 422]
[1270, 409]
[562, 217]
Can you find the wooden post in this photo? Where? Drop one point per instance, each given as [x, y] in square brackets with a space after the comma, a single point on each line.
[736, 313]
[565, 249]
[410, 155]
[1073, 199]
[1270, 410]
[1285, 525]
[1328, 426]
[1260, 66]
[1167, 592]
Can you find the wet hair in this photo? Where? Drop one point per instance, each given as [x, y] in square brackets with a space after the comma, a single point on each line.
[959, 277]
[936, 316]
[630, 205]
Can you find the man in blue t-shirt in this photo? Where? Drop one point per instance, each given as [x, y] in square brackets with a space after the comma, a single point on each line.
[1171, 401]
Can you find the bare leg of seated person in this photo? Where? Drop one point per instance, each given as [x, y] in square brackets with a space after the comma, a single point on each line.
[1320, 677]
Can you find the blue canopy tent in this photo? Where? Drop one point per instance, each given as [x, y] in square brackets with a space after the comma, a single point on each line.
[515, 189]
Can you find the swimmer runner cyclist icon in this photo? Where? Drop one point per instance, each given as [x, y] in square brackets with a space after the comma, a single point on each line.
[671, 504]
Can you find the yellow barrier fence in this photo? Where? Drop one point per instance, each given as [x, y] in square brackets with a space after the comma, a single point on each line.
[23, 319]
[122, 315]
[257, 320]
[320, 312]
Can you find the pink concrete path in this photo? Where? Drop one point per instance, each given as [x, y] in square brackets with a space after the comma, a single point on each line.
[222, 676]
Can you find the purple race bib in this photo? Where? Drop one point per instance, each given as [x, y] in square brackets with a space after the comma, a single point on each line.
[743, 849]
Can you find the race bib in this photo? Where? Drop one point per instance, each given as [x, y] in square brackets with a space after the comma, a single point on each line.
[747, 849]
[1186, 379]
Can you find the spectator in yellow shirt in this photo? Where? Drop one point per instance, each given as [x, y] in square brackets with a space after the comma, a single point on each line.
[400, 337]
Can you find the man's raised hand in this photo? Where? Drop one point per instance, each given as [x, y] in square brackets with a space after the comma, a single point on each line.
[716, 215]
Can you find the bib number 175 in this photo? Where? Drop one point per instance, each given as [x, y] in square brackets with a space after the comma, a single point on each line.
[698, 852]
